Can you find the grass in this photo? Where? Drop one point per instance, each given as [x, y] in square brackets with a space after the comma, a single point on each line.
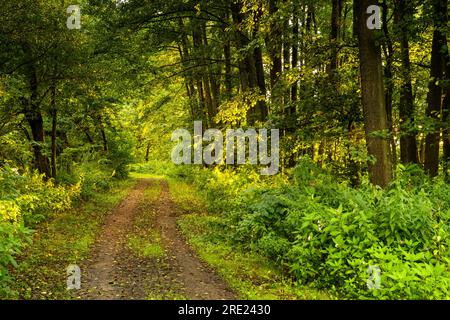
[146, 240]
[252, 276]
[185, 198]
[168, 295]
[136, 175]
[147, 246]
[62, 241]
[249, 274]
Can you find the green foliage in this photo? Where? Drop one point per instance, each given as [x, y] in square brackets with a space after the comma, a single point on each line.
[66, 239]
[13, 237]
[328, 234]
[119, 154]
[251, 275]
[25, 200]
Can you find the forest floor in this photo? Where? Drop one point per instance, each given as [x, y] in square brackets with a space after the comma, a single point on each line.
[140, 254]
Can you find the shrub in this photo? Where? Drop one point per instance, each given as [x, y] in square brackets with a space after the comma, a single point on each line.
[25, 200]
[329, 235]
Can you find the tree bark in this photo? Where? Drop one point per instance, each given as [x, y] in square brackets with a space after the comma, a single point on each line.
[336, 17]
[204, 77]
[373, 100]
[54, 113]
[34, 118]
[295, 45]
[251, 68]
[103, 134]
[274, 46]
[408, 143]
[432, 139]
[147, 152]
[388, 73]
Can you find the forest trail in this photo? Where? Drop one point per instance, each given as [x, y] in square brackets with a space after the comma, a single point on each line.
[116, 272]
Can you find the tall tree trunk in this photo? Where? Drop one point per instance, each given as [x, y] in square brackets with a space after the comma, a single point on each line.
[274, 46]
[446, 131]
[446, 115]
[241, 42]
[228, 70]
[201, 99]
[147, 152]
[259, 67]
[287, 46]
[215, 88]
[251, 68]
[295, 46]
[204, 76]
[34, 118]
[36, 123]
[432, 139]
[373, 100]
[408, 143]
[103, 134]
[195, 105]
[54, 113]
[336, 16]
[388, 73]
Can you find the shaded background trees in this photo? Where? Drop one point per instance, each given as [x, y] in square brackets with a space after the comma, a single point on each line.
[294, 65]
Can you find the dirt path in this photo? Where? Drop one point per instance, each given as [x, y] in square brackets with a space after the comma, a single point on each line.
[116, 272]
[199, 281]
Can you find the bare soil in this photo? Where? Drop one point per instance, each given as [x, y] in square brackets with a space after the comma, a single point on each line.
[115, 272]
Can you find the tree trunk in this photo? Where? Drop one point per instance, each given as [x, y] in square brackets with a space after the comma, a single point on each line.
[204, 76]
[388, 74]
[287, 46]
[54, 112]
[259, 68]
[295, 44]
[274, 46]
[446, 131]
[408, 143]
[215, 88]
[103, 134]
[228, 72]
[34, 118]
[432, 139]
[251, 67]
[373, 100]
[41, 163]
[147, 152]
[336, 16]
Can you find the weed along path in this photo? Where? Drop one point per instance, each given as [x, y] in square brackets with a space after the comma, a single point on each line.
[140, 254]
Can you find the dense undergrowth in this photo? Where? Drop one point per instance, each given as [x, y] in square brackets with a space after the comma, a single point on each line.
[27, 200]
[364, 243]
